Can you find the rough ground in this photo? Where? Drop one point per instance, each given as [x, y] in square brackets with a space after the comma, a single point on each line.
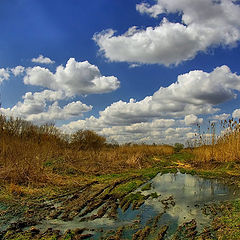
[87, 198]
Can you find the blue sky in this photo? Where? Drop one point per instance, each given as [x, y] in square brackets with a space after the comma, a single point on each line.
[129, 70]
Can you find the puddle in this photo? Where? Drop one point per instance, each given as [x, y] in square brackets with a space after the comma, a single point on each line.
[190, 193]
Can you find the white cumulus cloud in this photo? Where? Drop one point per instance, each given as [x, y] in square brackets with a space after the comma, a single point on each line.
[221, 117]
[161, 116]
[42, 107]
[204, 24]
[196, 92]
[158, 130]
[192, 119]
[18, 70]
[43, 60]
[55, 112]
[4, 74]
[76, 78]
[236, 113]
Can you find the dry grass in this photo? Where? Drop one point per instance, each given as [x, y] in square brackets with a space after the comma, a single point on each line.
[40, 155]
[223, 148]
[117, 159]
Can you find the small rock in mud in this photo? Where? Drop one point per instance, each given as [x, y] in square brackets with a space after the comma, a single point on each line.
[137, 204]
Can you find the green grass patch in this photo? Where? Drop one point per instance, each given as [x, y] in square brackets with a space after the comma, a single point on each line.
[168, 170]
[146, 187]
[11, 235]
[149, 173]
[230, 222]
[127, 187]
[135, 197]
[111, 176]
[154, 195]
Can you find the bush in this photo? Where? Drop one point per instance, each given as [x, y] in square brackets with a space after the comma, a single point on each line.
[178, 147]
[87, 140]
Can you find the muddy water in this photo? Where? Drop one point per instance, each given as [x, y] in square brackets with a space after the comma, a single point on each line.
[190, 194]
[181, 198]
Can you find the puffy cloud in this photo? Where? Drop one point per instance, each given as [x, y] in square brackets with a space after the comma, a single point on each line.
[35, 103]
[43, 60]
[73, 79]
[39, 76]
[55, 112]
[204, 24]
[153, 10]
[157, 118]
[192, 119]
[160, 117]
[191, 135]
[157, 130]
[195, 92]
[236, 113]
[4, 74]
[35, 107]
[18, 70]
[76, 78]
[221, 117]
[141, 128]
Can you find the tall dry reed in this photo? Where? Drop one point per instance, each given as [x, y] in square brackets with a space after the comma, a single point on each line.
[224, 147]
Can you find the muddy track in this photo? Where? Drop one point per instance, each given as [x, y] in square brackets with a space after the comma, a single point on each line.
[101, 201]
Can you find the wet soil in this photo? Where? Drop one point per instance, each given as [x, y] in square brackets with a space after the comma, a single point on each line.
[170, 206]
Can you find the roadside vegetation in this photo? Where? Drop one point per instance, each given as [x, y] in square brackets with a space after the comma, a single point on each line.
[217, 155]
[69, 175]
[223, 147]
[36, 155]
[41, 156]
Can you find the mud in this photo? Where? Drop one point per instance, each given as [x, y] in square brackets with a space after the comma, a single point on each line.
[97, 211]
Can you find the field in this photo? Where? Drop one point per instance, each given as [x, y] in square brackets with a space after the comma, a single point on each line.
[47, 175]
